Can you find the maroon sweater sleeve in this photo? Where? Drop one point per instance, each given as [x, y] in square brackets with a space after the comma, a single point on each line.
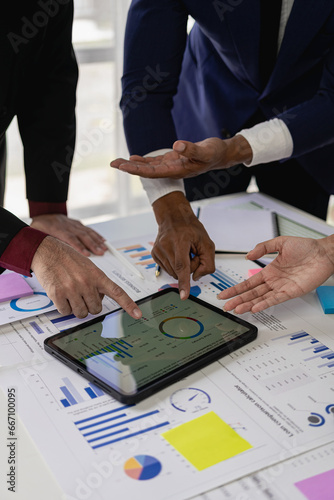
[21, 250]
[41, 208]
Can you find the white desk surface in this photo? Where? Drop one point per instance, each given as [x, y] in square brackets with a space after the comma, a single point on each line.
[35, 480]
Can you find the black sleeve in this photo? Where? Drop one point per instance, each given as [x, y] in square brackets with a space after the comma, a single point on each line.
[9, 227]
[46, 111]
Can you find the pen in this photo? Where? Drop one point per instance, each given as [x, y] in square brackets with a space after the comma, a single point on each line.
[122, 259]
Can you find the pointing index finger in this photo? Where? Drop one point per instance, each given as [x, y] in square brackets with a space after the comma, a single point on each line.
[115, 292]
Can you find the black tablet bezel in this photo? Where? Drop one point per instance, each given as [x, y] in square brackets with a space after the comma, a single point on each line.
[162, 381]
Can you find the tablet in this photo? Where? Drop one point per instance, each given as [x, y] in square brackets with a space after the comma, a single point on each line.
[132, 359]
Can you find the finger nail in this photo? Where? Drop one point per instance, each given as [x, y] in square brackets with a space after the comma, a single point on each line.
[218, 298]
[182, 294]
[224, 310]
[99, 249]
[180, 147]
[137, 312]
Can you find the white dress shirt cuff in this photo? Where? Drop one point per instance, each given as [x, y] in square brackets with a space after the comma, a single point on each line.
[270, 141]
[157, 188]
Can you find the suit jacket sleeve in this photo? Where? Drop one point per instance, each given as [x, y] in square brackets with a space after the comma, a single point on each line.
[155, 40]
[46, 112]
[18, 243]
[311, 123]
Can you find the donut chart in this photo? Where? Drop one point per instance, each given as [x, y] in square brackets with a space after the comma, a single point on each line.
[181, 327]
[22, 304]
[142, 467]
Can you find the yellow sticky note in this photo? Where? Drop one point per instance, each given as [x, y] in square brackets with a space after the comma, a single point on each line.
[206, 441]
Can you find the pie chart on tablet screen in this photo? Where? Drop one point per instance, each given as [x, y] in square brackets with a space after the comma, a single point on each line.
[142, 467]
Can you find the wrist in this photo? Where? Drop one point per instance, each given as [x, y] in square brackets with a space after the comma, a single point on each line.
[238, 151]
[44, 254]
[172, 208]
[328, 247]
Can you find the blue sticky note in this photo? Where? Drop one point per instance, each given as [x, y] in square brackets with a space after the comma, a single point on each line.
[326, 297]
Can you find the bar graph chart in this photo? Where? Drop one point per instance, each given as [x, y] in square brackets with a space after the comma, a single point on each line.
[119, 348]
[74, 396]
[222, 280]
[311, 348]
[215, 283]
[118, 424]
[140, 255]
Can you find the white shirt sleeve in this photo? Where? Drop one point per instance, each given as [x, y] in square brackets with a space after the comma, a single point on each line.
[157, 188]
[270, 141]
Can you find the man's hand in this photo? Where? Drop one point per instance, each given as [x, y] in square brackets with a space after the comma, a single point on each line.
[74, 283]
[71, 231]
[189, 159]
[181, 234]
[301, 265]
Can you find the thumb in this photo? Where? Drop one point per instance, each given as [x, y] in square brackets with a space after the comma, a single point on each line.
[269, 246]
[190, 150]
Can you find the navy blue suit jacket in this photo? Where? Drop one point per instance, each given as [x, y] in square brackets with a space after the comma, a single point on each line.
[208, 83]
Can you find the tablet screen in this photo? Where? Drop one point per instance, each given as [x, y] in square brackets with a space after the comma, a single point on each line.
[128, 354]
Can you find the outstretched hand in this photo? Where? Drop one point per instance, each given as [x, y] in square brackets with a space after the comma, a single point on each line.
[83, 239]
[301, 265]
[188, 159]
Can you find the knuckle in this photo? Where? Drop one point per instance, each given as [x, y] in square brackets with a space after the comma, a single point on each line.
[95, 308]
[81, 314]
[212, 246]
[211, 268]
[179, 266]
[117, 291]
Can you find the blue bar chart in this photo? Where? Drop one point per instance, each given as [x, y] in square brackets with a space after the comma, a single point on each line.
[139, 254]
[223, 281]
[107, 428]
[310, 348]
[119, 348]
[73, 395]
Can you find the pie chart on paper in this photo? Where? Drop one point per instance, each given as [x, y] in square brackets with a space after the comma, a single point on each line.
[142, 467]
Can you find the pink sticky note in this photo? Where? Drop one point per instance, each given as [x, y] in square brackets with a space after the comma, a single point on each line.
[251, 272]
[13, 286]
[319, 486]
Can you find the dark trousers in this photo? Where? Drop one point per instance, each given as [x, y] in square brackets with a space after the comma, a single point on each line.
[286, 181]
[3, 155]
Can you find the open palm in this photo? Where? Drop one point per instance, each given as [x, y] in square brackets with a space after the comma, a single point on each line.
[301, 265]
[186, 160]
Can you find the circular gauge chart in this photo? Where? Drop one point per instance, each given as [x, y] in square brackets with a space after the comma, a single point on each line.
[316, 420]
[36, 302]
[330, 409]
[190, 399]
[142, 467]
[181, 327]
